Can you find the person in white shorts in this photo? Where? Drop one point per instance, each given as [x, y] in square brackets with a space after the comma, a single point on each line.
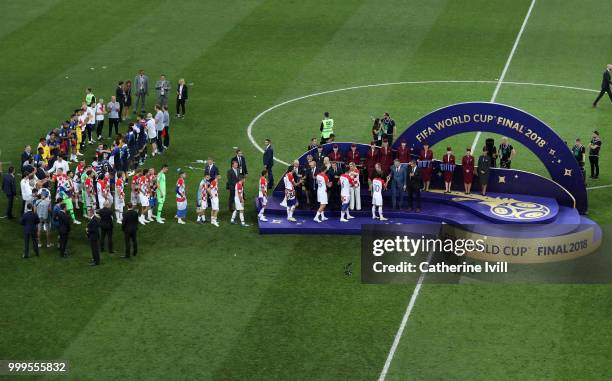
[377, 187]
[346, 183]
[119, 196]
[213, 192]
[355, 190]
[322, 184]
[239, 202]
[202, 200]
[143, 197]
[262, 198]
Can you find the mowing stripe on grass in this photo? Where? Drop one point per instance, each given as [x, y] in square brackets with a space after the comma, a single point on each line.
[507, 65]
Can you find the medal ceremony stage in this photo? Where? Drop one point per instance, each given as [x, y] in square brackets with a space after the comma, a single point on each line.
[520, 209]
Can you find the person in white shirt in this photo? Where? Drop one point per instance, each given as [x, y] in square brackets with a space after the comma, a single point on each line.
[356, 189]
[26, 190]
[100, 112]
[159, 127]
[114, 108]
[377, 186]
[152, 133]
[323, 184]
[91, 121]
[60, 163]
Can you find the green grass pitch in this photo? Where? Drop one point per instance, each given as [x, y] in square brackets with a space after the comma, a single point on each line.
[229, 304]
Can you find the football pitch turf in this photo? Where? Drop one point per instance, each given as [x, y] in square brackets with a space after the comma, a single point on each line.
[206, 303]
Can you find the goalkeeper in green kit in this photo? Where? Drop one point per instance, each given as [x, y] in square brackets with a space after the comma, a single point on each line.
[161, 192]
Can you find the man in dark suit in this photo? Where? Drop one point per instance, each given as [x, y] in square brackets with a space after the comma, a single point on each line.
[268, 162]
[413, 185]
[106, 227]
[9, 187]
[211, 169]
[311, 184]
[397, 178]
[605, 85]
[63, 229]
[232, 178]
[93, 235]
[318, 156]
[30, 221]
[242, 166]
[129, 225]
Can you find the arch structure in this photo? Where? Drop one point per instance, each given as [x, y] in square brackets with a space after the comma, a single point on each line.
[516, 124]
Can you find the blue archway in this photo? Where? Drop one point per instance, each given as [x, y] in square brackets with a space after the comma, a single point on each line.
[509, 121]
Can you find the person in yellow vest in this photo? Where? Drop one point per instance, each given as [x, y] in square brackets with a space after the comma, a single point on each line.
[327, 127]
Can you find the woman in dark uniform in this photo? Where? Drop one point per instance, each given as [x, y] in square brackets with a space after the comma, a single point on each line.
[127, 90]
[425, 163]
[467, 164]
[448, 169]
[484, 168]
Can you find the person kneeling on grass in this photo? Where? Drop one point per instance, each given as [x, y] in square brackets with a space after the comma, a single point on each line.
[239, 201]
[181, 198]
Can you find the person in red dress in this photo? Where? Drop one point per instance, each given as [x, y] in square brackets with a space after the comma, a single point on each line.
[449, 169]
[468, 170]
[335, 154]
[386, 157]
[353, 156]
[425, 162]
[371, 159]
[404, 152]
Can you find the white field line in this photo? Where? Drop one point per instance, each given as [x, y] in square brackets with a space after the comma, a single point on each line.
[507, 65]
[400, 331]
[600, 187]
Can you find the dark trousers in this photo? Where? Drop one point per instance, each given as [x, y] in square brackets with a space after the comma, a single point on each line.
[230, 202]
[270, 178]
[9, 206]
[27, 237]
[397, 191]
[95, 251]
[99, 127]
[601, 94]
[63, 242]
[89, 130]
[503, 163]
[106, 233]
[180, 103]
[414, 193]
[167, 137]
[130, 237]
[594, 161]
[160, 146]
[113, 122]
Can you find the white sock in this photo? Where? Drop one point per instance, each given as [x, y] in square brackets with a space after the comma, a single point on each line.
[150, 213]
[380, 211]
[288, 212]
[261, 212]
[317, 215]
[233, 215]
[374, 211]
[242, 216]
[323, 214]
[199, 219]
[203, 217]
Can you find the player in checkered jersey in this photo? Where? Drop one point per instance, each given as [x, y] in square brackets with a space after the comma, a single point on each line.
[143, 197]
[119, 195]
[262, 199]
[202, 200]
[346, 183]
[213, 192]
[290, 199]
[239, 201]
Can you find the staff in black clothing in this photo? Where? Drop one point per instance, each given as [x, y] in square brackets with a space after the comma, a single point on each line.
[413, 186]
[230, 185]
[594, 148]
[93, 235]
[9, 187]
[106, 227]
[129, 225]
[605, 85]
[181, 98]
[30, 222]
[63, 223]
